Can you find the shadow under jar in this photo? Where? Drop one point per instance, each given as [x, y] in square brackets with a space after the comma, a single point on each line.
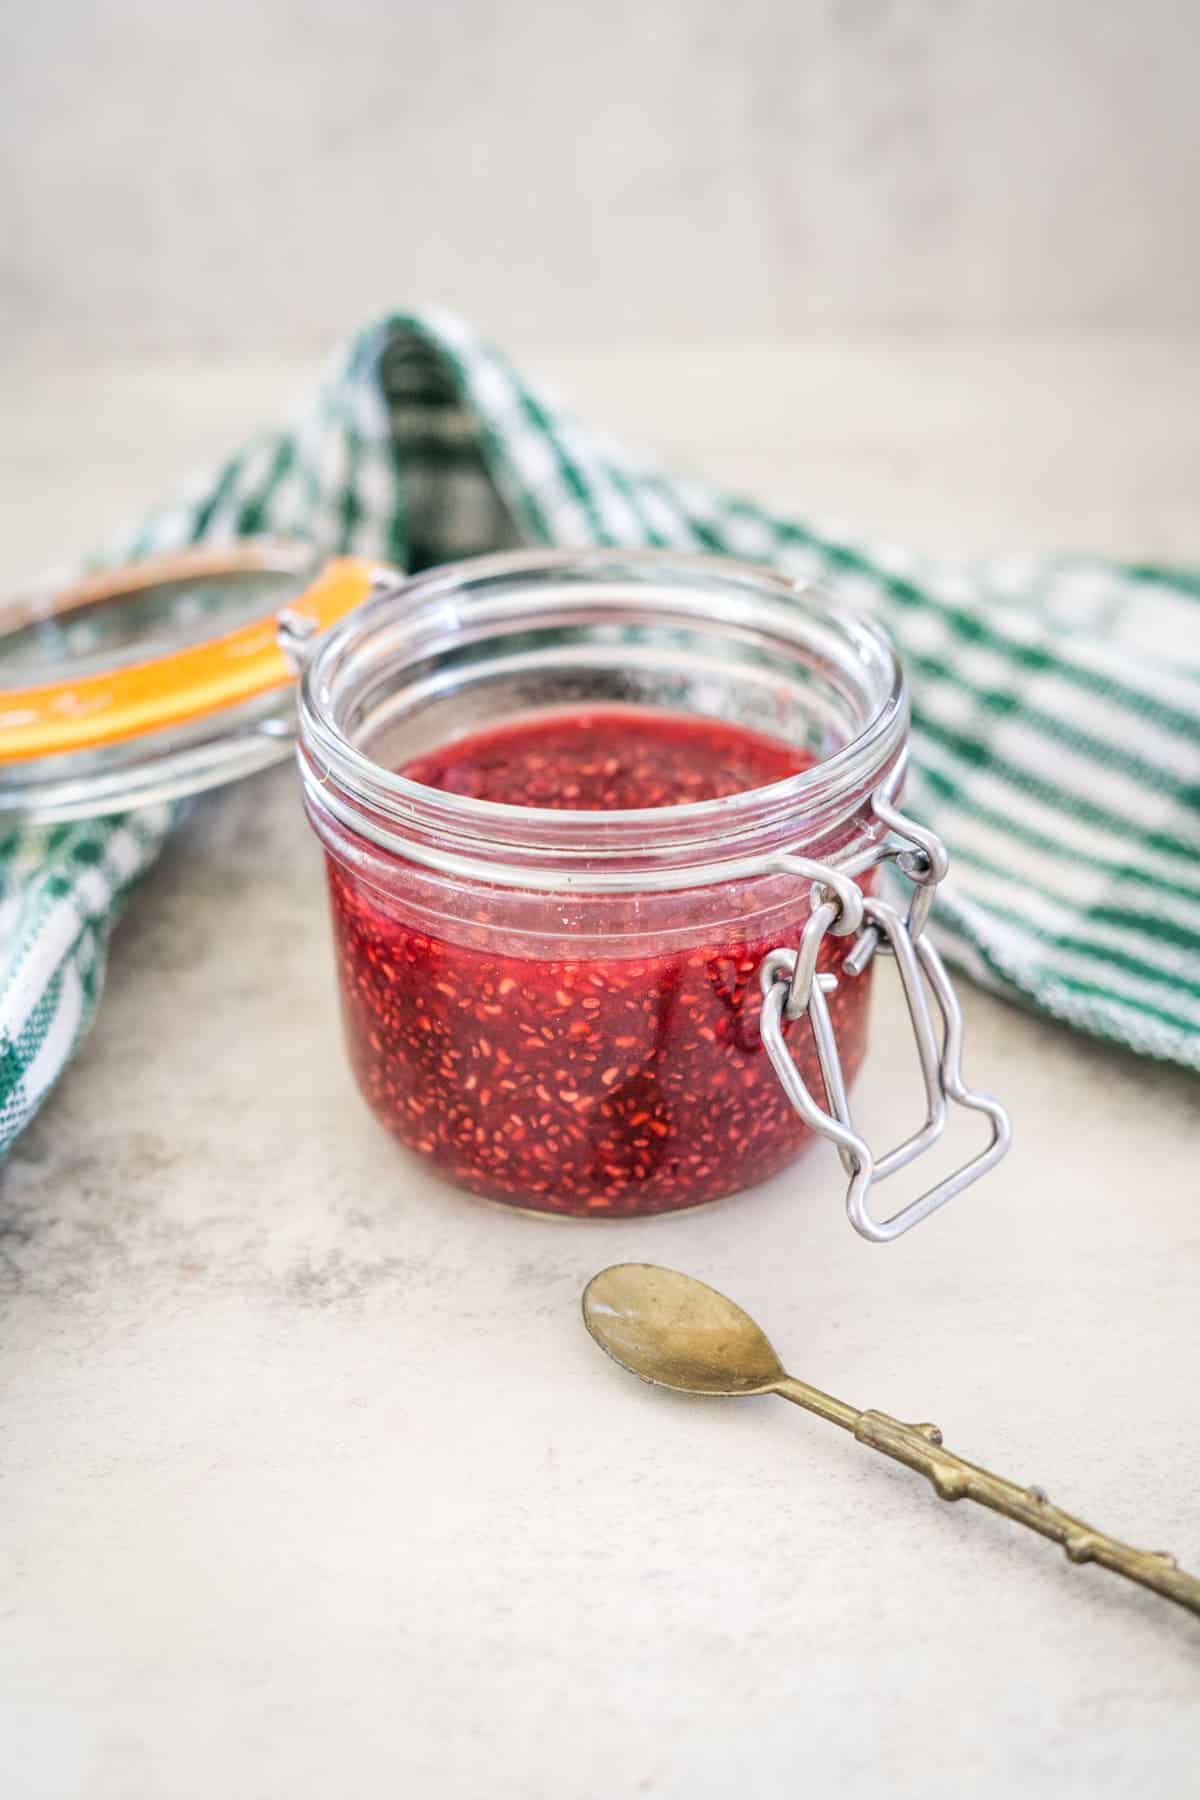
[553, 996]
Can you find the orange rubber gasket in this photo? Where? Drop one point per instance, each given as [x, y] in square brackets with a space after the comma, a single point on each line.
[116, 704]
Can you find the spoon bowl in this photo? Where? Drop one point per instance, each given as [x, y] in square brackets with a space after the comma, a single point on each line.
[675, 1331]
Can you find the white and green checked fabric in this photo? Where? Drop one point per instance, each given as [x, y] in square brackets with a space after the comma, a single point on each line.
[1056, 725]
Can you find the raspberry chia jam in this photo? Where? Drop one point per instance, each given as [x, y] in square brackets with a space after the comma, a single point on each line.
[600, 1084]
[557, 796]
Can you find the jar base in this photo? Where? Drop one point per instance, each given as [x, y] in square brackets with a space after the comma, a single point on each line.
[606, 1214]
[594, 1218]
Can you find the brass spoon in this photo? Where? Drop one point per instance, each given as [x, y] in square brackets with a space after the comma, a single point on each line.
[674, 1331]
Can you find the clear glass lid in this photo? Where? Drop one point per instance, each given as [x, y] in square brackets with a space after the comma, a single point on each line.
[159, 679]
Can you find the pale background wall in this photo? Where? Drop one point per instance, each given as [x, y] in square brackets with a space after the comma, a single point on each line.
[182, 174]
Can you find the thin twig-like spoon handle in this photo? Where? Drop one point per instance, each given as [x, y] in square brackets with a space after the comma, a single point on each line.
[920, 1446]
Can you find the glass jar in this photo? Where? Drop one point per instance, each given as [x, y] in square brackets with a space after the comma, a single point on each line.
[561, 1009]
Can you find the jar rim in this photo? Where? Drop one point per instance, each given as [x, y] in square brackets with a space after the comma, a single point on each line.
[335, 769]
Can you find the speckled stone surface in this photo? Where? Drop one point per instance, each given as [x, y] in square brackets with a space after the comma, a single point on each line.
[313, 1484]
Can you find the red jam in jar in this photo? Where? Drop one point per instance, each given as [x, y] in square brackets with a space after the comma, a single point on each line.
[591, 1074]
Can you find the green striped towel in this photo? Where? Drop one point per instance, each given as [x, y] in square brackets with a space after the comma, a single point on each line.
[1056, 719]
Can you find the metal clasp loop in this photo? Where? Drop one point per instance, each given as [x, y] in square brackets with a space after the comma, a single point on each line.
[924, 861]
[792, 989]
[846, 916]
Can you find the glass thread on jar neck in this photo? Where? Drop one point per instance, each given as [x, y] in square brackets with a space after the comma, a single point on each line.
[475, 626]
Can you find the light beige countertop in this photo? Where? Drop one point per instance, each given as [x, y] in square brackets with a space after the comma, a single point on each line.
[312, 1483]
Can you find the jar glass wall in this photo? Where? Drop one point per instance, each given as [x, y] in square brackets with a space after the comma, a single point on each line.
[558, 1006]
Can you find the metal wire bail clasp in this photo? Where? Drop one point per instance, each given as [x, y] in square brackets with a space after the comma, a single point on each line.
[793, 989]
